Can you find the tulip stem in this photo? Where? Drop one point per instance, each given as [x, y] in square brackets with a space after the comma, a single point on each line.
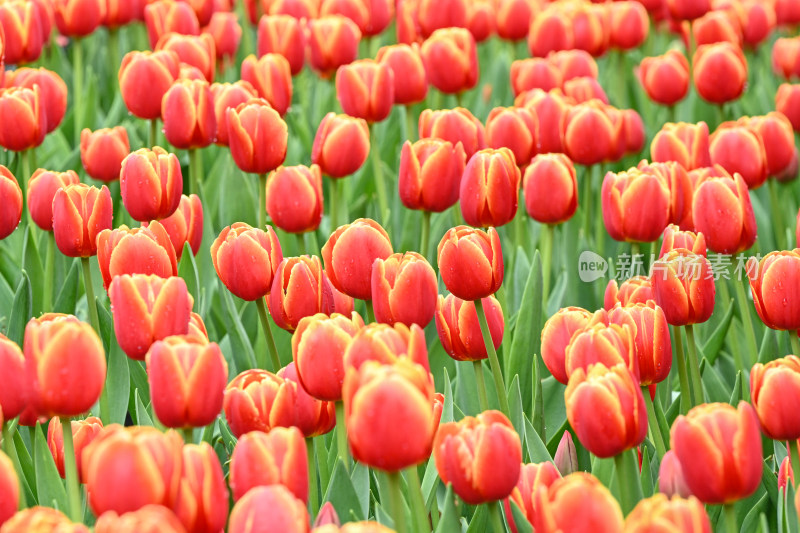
[794, 457]
[630, 493]
[652, 424]
[89, 290]
[113, 56]
[425, 234]
[494, 362]
[377, 169]
[262, 201]
[370, 312]
[496, 517]
[747, 321]
[795, 342]
[483, 402]
[313, 496]
[49, 272]
[422, 523]
[694, 366]
[273, 350]
[547, 256]
[26, 176]
[341, 435]
[686, 392]
[410, 125]
[188, 435]
[301, 244]
[71, 472]
[77, 81]
[333, 193]
[777, 214]
[587, 201]
[8, 443]
[730, 517]
[196, 171]
[153, 132]
[396, 496]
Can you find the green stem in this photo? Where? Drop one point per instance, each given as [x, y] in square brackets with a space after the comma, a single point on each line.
[547, 256]
[538, 400]
[8, 443]
[113, 56]
[370, 312]
[333, 194]
[630, 493]
[425, 234]
[483, 402]
[794, 457]
[71, 473]
[519, 230]
[188, 435]
[301, 243]
[195, 171]
[411, 126]
[494, 362]
[341, 435]
[396, 496]
[720, 114]
[49, 273]
[273, 350]
[747, 321]
[377, 169]
[26, 175]
[777, 214]
[89, 289]
[652, 424]
[694, 366]
[686, 391]
[313, 495]
[795, 342]
[496, 517]
[730, 517]
[422, 522]
[262, 201]
[153, 132]
[635, 252]
[587, 201]
[77, 80]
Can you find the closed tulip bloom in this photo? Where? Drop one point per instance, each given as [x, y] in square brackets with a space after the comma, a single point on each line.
[670, 477]
[257, 136]
[341, 145]
[629, 24]
[688, 9]
[148, 308]
[164, 16]
[284, 35]
[534, 73]
[772, 283]
[80, 213]
[160, 69]
[451, 60]
[556, 335]
[151, 183]
[52, 90]
[147, 465]
[681, 189]
[373, 395]
[40, 518]
[459, 329]
[723, 213]
[299, 289]
[683, 286]
[787, 12]
[9, 489]
[269, 509]
[404, 289]
[714, 62]
[719, 448]
[480, 456]
[11, 202]
[354, 10]
[148, 519]
[665, 78]
[430, 174]
[453, 125]
[78, 18]
[515, 128]
[577, 502]
[318, 347]
[551, 109]
[603, 343]
[135, 251]
[332, 42]
[365, 89]
[739, 149]
[202, 502]
[245, 259]
[102, 152]
[227, 33]
[198, 51]
[718, 26]
[652, 345]
[660, 511]
[583, 89]
[481, 19]
[574, 64]
[23, 32]
[13, 386]
[120, 13]
[590, 136]
[774, 388]
[29, 128]
[775, 131]
[674, 238]
[490, 188]
[684, 143]
[513, 19]
[551, 30]
[228, 96]
[471, 262]
[386, 345]
[533, 477]
[785, 54]
[66, 365]
[410, 79]
[551, 189]
[407, 27]
[636, 205]
[188, 112]
[83, 433]
[294, 198]
[311, 416]
[185, 225]
[349, 254]
[787, 101]
[632, 291]
[271, 76]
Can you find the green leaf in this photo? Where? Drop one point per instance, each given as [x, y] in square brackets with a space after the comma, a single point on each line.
[243, 355]
[447, 408]
[515, 408]
[227, 436]
[738, 390]
[32, 264]
[520, 520]
[646, 477]
[118, 384]
[449, 523]
[360, 479]
[343, 496]
[106, 325]
[480, 520]
[21, 312]
[187, 269]
[526, 338]
[49, 485]
[715, 387]
[751, 519]
[537, 451]
[715, 341]
[24, 464]
[143, 418]
[68, 294]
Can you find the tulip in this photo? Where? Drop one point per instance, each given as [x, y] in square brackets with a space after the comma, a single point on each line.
[294, 198]
[773, 387]
[481, 19]
[185, 225]
[659, 511]
[670, 477]
[665, 78]
[41, 519]
[551, 108]
[629, 25]
[318, 347]
[771, 281]
[103, 151]
[83, 433]
[451, 60]
[352, 527]
[27, 106]
[516, 129]
[332, 42]
[365, 89]
[78, 18]
[352, 9]
[163, 17]
[227, 33]
[404, 289]
[713, 62]
[430, 174]
[566, 457]
[534, 477]
[534, 73]
[66, 365]
[453, 125]
[584, 89]
[135, 251]
[311, 416]
[683, 286]
[675, 238]
[284, 35]
[202, 502]
[236, 252]
[459, 329]
[189, 118]
[299, 9]
[471, 262]
[556, 335]
[266, 509]
[257, 136]
[490, 188]
[299, 289]
[407, 26]
[632, 291]
[718, 26]
[52, 89]
[9, 489]
[147, 462]
[11, 200]
[558, 506]
[410, 79]
[784, 57]
[652, 344]
[723, 213]
[775, 130]
[684, 143]
[719, 448]
[588, 26]
[151, 182]
[160, 69]
[271, 76]
[787, 12]
[589, 134]
[121, 13]
[341, 145]
[787, 101]
[607, 344]
[551, 30]
[80, 213]
[480, 456]
[688, 9]
[386, 345]
[741, 150]
[785, 474]
[148, 519]
[24, 35]
[513, 19]
[228, 96]
[195, 50]
[573, 64]
[13, 386]
[349, 254]
[636, 205]
[551, 189]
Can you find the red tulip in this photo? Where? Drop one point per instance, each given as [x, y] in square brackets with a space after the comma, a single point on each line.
[284, 35]
[235, 252]
[410, 79]
[160, 69]
[332, 42]
[102, 152]
[164, 16]
[435, 14]
[551, 108]
[652, 344]
[451, 60]
[83, 433]
[120, 13]
[632, 291]
[78, 18]
[717, 61]
[590, 135]
[257, 136]
[228, 96]
[771, 281]
[604, 343]
[674, 239]
[550, 30]
[11, 200]
[490, 188]
[688, 9]
[534, 477]
[80, 214]
[683, 286]
[629, 24]
[355, 10]
[515, 128]
[188, 112]
[202, 502]
[636, 205]
[365, 89]
[430, 174]
[684, 143]
[513, 19]
[271, 76]
[775, 130]
[299, 289]
[718, 26]
[534, 73]
[29, 127]
[785, 54]
[774, 387]
[13, 384]
[453, 125]
[557, 334]
[266, 509]
[151, 183]
[459, 328]
[24, 32]
[739, 149]
[481, 19]
[38, 517]
[787, 101]
[135, 251]
[185, 225]
[341, 145]
[665, 78]
[471, 262]
[9, 489]
[349, 254]
[551, 189]
[52, 89]
[195, 50]
[583, 89]
[404, 289]
[723, 213]
[227, 33]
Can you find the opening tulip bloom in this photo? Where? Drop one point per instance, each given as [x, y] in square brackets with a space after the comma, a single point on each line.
[550, 30]
[451, 60]
[410, 78]
[533, 477]
[185, 225]
[773, 280]
[83, 433]
[480, 456]
[13, 385]
[312, 417]
[577, 502]
[28, 108]
[471, 262]
[135, 251]
[151, 183]
[551, 109]
[683, 286]
[684, 143]
[202, 502]
[674, 238]
[489, 191]
[294, 198]
[632, 291]
[665, 78]
[775, 388]
[386, 345]
[534, 73]
[661, 511]
[636, 205]
[273, 508]
[600, 342]
[271, 76]
[365, 89]
[430, 174]
[404, 289]
[332, 42]
[11, 200]
[557, 333]
[739, 149]
[299, 289]
[162, 17]
[228, 96]
[551, 189]
[102, 152]
[459, 329]
[719, 448]
[245, 259]
[723, 213]
[257, 136]
[453, 125]
[515, 128]
[39, 516]
[719, 61]
[349, 254]
[52, 89]
[188, 113]
[341, 145]
[80, 214]
[284, 35]
[652, 344]
[24, 35]
[160, 69]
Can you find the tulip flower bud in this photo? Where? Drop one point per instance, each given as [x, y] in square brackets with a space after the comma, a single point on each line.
[66, 365]
[188, 111]
[135, 251]
[164, 16]
[148, 519]
[785, 474]
[674, 239]
[453, 125]
[459, 329]
[227, 33]
[784, 57]
[604, 343]
[257, 136]
[318, 348]
[294, 198]
[590, 136]
[148, 463]
[683, 286]
[660, 511]
[228, 96]
[404, 289]
[670, 477]
[30, 124]
[40, 518]
[557, 333]
[741, 150]
[687, 144]
[688, 9]
[652, 344]
[636, 205]
[557, 504]
[770, 281]
[534, 73]
[551, 109]
[787, 101]
[490, 188]
[271, 508]
[775, 132]
[151, 182]
[160, 69]
[350, 252]
[551, 189]
[13, 386]
[409, 77]
[299, 289]
[202, 502]
[341, 145]
[365, 89]
[24, 35]
[724, 199]
[629, 24]
[515, 128]
[245, 259]
[103, 151]
[719, 448]
[52, 90]
[271, 76]
[574, 64]
[632, 291]
[534, 477]
[386, 345]
[430, 174]
[488, 468]
[451, 60]
[284, 35]
[274, 458]
[773, 387]
[83, 433]
[566, 458]
[551, 30]
[80, 213]
[583, 89]
[11, 202]
[471, 262]
[332, 42]
[665, 78]
[9, 489]
[713, 62]
[185, 225]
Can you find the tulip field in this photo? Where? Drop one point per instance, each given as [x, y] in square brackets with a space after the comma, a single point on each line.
[412, 266]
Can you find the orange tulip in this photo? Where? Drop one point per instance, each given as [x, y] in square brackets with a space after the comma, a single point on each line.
[9, 489]
[78, 18]
[341, 145]
[284, 35]
[490, 188]
[80, 213]
[332, 42]
[451, 60]
[652, 344]
[102, 152]
[24, 34]
[453, 125]
[185, 225]
[516, 129]
[636, 205]
[52, 90]
[148, 519]
[365, 89]
[410, 79]
[590, 135]
[459, 329]
[739, 149]
[224, 27]
[11, 200]
[299, 289]
[30, 125]
[42, 519]
[349, 254]
[787, 101]
[151, 183]
[773, 387]
[665, 78]
[471, 262]
[632, 291]
[202, 502]
[164, 16]
[534, 477]
[13, 386]
[386, 345]
[236, 250]
[722, 211]
[271, 508]
[551, 189]
[135, 251]
[83, 433]
[189, 118]
[562, 507]
[717, 61]
[659, 511]
[601, 342]
[404, 289]
[534, 73]
[160, 69]
[685, 143]
[430, 174]
[271, 76]
[629, 24]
